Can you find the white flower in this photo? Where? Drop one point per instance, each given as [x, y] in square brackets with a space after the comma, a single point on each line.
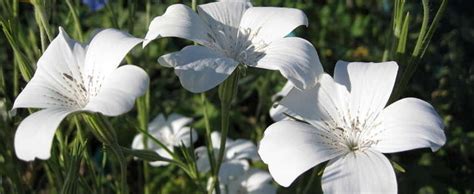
[238, 150]
[349, 125]
[71, 78]
[232, 33]
[171, 132]
[235, 178]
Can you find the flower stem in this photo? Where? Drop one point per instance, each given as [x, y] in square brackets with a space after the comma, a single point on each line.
[143, 117]
[106, 134]
[227, 91]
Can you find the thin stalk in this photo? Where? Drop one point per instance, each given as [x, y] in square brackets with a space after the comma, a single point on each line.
[106, 134]
[75, 17]
[227, 91]
[42, 19]
[143, 117]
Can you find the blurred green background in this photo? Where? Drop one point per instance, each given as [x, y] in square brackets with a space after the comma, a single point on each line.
[351, 30]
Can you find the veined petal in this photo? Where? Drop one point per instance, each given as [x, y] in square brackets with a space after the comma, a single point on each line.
[277, 112]
[408, 124]
[271, 23]
[359, 172]
[199, 69]
[104, 54]
[57, 74]
[178, 21]
[288, 158]
[295, 58]
[119, 91]
[370, 85]
[323, 103]
[226, 14]
[34, 136]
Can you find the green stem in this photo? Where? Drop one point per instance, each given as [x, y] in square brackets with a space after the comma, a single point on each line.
[106, 134]
[75, 17]
[143, 117]
[227, 91]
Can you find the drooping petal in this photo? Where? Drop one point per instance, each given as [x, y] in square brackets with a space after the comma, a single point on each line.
[241, 149]
[34, 136]
[104, 54]
[324, 102]
[57, 79]
[119, 91]
[290, 148]
[199, 69]
[408, 124]
[163, 153]
[370, 85]
[272, 23]
[359, 172]
[295, 58]
[178, 21]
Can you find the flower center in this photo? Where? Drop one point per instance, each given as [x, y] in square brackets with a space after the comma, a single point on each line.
[353, 134]
[242, 45]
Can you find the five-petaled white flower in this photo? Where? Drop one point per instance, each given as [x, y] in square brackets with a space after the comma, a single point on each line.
[235, 178]
[71, 78]
[349, 125]
[232, 33]
[171, 132]
[236, 151]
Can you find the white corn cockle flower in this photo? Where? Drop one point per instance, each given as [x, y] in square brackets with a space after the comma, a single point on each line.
[70, 78]
[235, 178]
[171, 132]
[349, 125]
[232, 33]
[236, 151]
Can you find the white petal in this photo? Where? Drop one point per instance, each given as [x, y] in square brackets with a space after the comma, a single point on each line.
[290, 148]
[231, 171]
[370, 85]
[199, 69]
[49, 87]
[157, 123]
[183, 136]
[408, 124]
[163, 153]
[105, 52]
[272, 23]
[137, 143]
[359, 172]
[178, 121]
[119, 91]
[202, 161]
[216, 139]
[324, 102]
[295, 58]
[220, 15]
[35, 134]
[178, 21]
[259, 182]
[241, 149]
[277, 112]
